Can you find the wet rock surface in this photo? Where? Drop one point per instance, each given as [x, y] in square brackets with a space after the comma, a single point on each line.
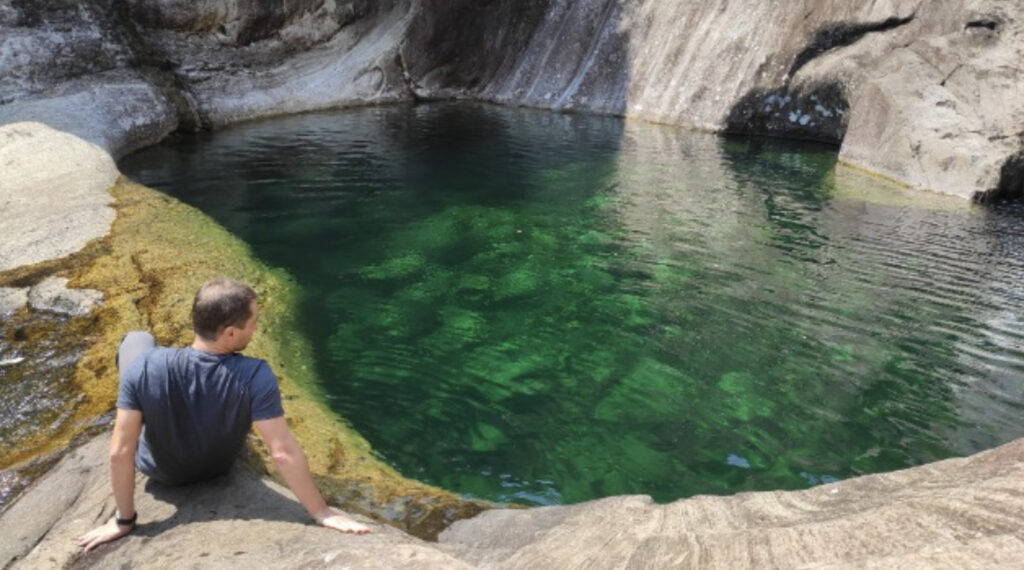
[12, 299]
[38, 395]
[53, 295]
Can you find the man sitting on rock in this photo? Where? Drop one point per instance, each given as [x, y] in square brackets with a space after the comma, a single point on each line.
[183, 413]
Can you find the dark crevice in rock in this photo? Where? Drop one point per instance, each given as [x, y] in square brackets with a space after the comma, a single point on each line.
[950, 74]
[465, 44]
[842, 34]
[817, 113]
[158, 70]
[410, 83]
[988, 24]
[1010, 185]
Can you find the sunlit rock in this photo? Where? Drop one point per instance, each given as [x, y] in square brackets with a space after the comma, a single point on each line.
[53, 295]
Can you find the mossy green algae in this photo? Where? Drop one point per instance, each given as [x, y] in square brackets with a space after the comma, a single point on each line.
[159, 251]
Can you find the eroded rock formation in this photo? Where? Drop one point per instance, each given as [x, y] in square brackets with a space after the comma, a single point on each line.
[921, 91]
[960, 513]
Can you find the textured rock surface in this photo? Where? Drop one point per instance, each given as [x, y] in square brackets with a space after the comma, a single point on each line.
[12, 299]
[960, 513]
[240, 521]
[53, 193]
[52, 294]
[922, 91]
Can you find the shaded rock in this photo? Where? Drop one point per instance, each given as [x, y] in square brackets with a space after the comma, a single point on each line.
[45, 43]
[238, 521]
[117, 111]
[12, 299]
[52, 294]
[53, 193]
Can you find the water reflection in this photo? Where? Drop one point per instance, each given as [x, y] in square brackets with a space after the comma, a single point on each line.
[537, 307]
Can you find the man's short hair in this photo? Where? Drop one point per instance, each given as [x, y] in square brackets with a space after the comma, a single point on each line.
[221, 303]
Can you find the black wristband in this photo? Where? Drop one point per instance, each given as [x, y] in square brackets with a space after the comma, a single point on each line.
[126, 522]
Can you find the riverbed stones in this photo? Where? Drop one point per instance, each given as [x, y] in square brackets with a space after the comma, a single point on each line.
[53, 193]
[53, 295]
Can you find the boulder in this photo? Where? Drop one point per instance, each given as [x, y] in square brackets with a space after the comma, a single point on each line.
[12, 299]
[52, 294]
[53, 193]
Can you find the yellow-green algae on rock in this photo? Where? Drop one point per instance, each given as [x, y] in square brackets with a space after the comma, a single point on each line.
[159, 251]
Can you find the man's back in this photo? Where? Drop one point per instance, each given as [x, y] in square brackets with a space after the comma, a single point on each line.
[197, 408]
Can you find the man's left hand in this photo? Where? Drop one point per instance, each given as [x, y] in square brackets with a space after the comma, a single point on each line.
[106, 533]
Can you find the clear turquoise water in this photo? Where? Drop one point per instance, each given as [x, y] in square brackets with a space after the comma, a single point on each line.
[541, 308]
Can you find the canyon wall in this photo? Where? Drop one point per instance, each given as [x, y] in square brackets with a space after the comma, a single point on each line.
[923, 92]
[920, 91]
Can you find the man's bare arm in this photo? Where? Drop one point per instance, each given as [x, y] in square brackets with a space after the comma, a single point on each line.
[127, 427]
[291, 462]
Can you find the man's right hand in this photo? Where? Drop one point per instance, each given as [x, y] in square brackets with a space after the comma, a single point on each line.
[102, 534]
[337, 520]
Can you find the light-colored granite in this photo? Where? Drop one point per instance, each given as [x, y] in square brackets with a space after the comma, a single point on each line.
[12, 299]
[53, 295]
[960, 513]
[53, 193]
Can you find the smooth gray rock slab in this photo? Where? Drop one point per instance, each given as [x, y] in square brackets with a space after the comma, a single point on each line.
[12, 299]
[116, 111]
[52, 295]
[239, 521]
[959, 513]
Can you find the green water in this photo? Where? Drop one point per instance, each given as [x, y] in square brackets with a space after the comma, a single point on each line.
[541, 308]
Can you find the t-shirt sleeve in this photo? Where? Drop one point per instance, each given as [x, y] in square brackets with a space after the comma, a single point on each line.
[266, 397]
[128, 388]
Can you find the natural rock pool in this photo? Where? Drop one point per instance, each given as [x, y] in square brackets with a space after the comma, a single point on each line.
[543, 308]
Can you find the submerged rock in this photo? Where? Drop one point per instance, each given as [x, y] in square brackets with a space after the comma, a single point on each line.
[52, 294]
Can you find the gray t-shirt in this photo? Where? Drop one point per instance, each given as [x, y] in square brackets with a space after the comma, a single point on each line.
[197, 409]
